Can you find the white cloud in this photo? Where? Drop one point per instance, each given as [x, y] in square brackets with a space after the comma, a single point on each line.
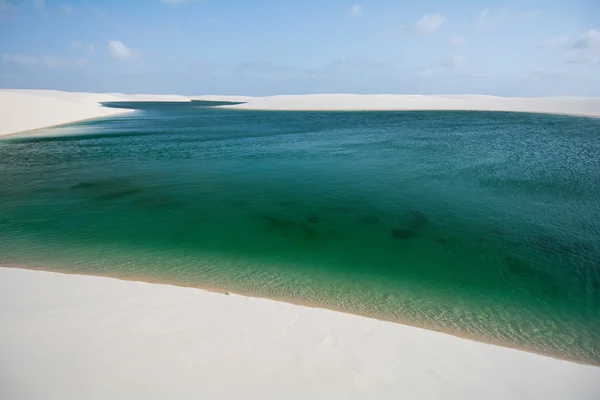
[538, 75]
[555, 43]
[456, 40]
[493, 19]
[66, 8]
[527, 14]
[589, 40]
[39, 5]
[425, 26]
[80, 46]
[585, 49]
[458, 61]
[44, 61]
[53, 61]
[80, 62]
[119, 51]
[59, 62]
[454, 65]
[356, 10]
[582, 49]
[5, 5]
[585, 58]
[481, 20]
[20, 59]
[425, 72]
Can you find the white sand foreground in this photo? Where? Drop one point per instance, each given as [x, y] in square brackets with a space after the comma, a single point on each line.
[86, 337]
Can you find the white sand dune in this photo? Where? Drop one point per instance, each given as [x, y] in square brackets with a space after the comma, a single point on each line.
[588, 106]
[84, 337]
[25, 110]
[235, 99]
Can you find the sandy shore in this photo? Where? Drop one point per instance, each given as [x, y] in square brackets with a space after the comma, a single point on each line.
[25, 110]
[221, 290]
[584, 106]
[70, 336]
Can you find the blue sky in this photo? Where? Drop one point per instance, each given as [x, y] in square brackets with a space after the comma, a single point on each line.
[264, 47]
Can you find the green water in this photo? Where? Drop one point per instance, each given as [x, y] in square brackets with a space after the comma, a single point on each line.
[476, 223]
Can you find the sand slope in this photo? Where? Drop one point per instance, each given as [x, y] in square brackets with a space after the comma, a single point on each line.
[24, 110]
[589, 106]
[75, 337]
[235, 99]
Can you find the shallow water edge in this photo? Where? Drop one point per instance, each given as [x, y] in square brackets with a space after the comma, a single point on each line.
[224, 291]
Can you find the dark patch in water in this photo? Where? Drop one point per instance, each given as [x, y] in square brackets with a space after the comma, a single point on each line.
[313, 218]
[595, 284]
[417, 220]
[444, 241]
[400, 233]
[157, 203]
[539, 280]
[496, 231]
[86, 185]
[309, 233]
[340, 209]
[277, 223]
[480, 239]
[546, 282]
[556, 247]
[367, 220]
[287, 204]
[118, 194]
[102, 184]
[107, 189]
[516, 267]
[548, 244]
[44, 190]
